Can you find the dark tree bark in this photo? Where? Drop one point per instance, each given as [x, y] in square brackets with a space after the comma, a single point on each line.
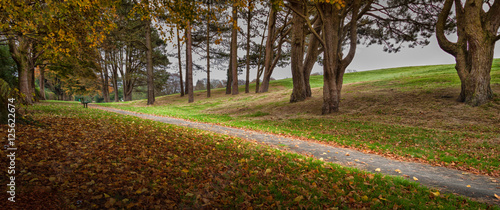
[128, 81]
[42, 83]
[149, 64]
[234, 52]
[229, 72]
[208, 51]
[189, 63]
[264, 86]
[115, 76]
[473, 51]
[297, 57]
[180, 63]
[105, 79]
[249, 19]
[186, 89]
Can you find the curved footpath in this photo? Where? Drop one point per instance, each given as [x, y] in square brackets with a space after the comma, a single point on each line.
[481, 188]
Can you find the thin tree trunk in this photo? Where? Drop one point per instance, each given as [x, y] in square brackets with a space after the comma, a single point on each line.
[269, 51]
[180, 63]
[208, 52]
[189, 63]
[234, 55]
[106, 81]
[249, 19]
[229, 72]
[149, 61]
[42, 83]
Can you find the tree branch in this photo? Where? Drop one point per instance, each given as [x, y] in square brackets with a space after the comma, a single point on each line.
[308, 24]
[443, 42]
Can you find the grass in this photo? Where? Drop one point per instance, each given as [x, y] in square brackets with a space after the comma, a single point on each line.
[408, 113]
[91, 159]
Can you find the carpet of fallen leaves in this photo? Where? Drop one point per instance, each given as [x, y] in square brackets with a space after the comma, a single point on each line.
[74, 158]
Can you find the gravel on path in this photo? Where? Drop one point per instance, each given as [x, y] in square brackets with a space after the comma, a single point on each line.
[478, 187]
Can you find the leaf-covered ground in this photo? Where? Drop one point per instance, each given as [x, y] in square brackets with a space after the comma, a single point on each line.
[72, 157]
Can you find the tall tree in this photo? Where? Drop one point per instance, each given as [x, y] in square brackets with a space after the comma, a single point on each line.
[477, 32]
[234, 49]
[180, 63]
[208, 47]
[249, 24]
[54, 27]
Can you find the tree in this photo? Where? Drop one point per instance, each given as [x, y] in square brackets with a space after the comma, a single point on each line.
[477, 32]
[234, 49]
[271, 58]
[53, 27]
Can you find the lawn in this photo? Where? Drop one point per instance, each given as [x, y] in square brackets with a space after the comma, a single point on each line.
[407, 113]
[72, 157]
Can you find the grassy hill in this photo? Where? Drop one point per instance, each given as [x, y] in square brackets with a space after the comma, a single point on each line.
[406, 113]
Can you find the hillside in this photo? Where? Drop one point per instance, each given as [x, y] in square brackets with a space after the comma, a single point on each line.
[405, 113]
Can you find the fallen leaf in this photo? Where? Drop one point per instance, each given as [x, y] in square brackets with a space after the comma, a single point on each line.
[496, 196]
[397, 170]
[415, 178]
[298, 198]
[468, 185]
[189, 194]
[377, 169]
[185, 170]
[435, 193]
[364, 198]
[347, 154]
[268, 170]
[52, 179]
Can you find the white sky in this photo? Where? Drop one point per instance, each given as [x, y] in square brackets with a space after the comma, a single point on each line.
[366, 58]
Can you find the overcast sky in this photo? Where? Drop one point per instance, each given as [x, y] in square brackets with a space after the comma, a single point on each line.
[366, 58]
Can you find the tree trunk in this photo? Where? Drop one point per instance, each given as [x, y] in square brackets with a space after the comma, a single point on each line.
[180, 63]
[115, 82]
[473, 51]
[229, 72]
[312, 55]
[19, 55]
[186, 89]
[42, 83]
[189, 64]
[234, 54]
[249, 19]
[298, 37]
[268, 59]
[331, 97]
[106, 78]
[149, 63]
[208, 51]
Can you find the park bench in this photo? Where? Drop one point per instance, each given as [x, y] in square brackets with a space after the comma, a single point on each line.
[85, 103]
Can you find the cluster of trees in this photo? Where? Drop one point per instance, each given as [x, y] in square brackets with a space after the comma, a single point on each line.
[122, 44]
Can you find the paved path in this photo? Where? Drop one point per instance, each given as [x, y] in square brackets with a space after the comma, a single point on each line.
[482, 188]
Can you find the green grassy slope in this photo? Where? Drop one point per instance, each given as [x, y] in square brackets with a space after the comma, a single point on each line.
[407, 113]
